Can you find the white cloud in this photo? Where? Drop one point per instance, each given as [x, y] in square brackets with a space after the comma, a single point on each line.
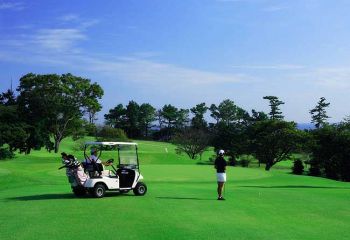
[270, 67]
[58, 39]
[12, 6]
[160, 74]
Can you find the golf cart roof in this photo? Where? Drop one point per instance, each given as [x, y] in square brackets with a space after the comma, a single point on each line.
[111, 143]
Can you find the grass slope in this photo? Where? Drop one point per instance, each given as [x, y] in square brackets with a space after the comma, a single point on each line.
[37, 203]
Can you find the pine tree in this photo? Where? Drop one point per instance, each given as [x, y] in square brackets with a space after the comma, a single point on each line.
[275, 113]
[319, 114]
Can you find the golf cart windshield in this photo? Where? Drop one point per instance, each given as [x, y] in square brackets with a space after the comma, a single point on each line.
[128, 156]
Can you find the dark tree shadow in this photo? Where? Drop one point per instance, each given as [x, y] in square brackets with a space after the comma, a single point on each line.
[186, 198]
[50, 196]
[55, 196]
[295, 186]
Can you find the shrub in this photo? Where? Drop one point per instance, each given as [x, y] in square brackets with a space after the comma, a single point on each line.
[111, 134]
[90, 129]
[79, 145]
[298, 167]
[232, 161]
[314, 170]
[5, 153]
[245, 160]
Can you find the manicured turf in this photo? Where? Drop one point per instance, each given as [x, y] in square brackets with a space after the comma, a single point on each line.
[36, 202]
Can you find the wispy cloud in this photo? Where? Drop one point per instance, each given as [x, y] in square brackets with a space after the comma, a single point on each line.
[270, 67]
[274, 8]
[66, 38]
[77, 20]
[160, 74]
[60, 47]
[69, 17]
[12, 6]
[335, 78]
[58, 39]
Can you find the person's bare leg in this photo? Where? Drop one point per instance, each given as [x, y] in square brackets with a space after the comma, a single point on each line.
[220, 187]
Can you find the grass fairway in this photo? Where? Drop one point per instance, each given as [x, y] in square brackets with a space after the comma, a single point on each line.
[36, 203]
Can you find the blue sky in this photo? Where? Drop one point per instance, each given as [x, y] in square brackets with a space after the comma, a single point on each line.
[187, 52]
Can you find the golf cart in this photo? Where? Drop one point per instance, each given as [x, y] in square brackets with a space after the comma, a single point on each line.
[91, 177]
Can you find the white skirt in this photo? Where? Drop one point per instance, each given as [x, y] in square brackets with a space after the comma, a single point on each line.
[221, 177]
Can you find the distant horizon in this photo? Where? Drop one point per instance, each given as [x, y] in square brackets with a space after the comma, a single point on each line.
[187, 52]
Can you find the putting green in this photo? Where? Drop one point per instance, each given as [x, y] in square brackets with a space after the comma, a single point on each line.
[37, 203]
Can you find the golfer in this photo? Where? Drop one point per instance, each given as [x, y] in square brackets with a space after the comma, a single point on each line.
[220, 166]
[95, 162]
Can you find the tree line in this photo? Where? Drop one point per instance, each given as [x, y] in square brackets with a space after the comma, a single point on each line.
[47, 108]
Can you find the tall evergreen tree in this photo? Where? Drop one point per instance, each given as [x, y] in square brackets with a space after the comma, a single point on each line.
[198, 121]
[146, 118]
[275, 113]
[318, 114]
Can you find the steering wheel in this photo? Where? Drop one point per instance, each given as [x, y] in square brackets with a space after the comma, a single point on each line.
[110, 161]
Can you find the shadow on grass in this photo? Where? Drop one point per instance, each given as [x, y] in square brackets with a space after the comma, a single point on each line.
[296, 186]
[44, 197]
[55, 196]
[186, 198]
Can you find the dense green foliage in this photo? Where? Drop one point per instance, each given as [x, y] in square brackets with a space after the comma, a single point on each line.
[275, 141]
[109, 134]
[136, 120]
[331, 152]
[54, 104]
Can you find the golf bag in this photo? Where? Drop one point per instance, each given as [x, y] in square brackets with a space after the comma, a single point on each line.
[74, 171]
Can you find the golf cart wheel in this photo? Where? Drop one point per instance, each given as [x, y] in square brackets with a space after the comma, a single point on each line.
[99, 190]
[79, 191]
[140, 189]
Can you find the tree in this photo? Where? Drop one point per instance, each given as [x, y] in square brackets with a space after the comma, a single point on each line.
[132, 114]
[275, 141]
[93, 92]
[146, 117]
[258, 116]
[134, 119]
[191, 141]
[232, 138]
[229, 132]
[55, 105]
[227, 112]
[330, 152]
[171, 120]
[275, 113]
[8, 98]
[318, 114]
[198, 121]
[169, 115]
[13, 130]
[116, 117]
[182, 118]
